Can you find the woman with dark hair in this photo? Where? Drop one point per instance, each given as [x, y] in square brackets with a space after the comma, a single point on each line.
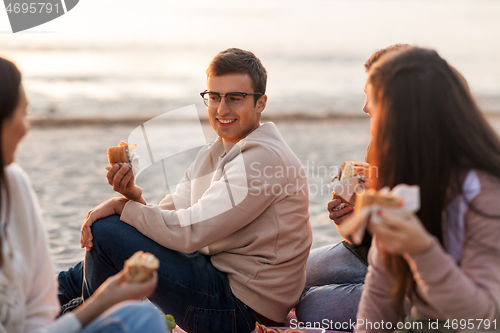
[28, 291]
[444, 262]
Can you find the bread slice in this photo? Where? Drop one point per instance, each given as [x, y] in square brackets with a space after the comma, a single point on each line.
[352, 168]
[140, 266]
[118, 154]
[371, 197]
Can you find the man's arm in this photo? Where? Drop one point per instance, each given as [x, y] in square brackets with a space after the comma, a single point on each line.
[115, 205]
[217, 214]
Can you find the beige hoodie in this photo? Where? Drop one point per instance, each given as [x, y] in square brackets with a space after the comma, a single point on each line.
[248, 210]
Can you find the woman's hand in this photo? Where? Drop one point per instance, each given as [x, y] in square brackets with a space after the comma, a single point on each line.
[400, 232]
[109, 207]
[114, 290]
[338, 216]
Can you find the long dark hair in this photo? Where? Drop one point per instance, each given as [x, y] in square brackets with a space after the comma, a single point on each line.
[10, 81]
[428, 132]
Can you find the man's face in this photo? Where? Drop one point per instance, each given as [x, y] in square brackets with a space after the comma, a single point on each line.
[369, 106]
[233, 124]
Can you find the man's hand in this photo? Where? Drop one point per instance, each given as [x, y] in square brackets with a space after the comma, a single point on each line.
[107, 208]
[122, 180]
[339, 216]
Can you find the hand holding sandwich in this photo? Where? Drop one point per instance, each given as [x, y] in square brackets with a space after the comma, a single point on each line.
[122, 180]
[113, 291]
[400, 233]
[121, 170]
[109, 207]
[340, 215]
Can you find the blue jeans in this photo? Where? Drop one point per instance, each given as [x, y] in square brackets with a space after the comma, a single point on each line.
[128, 317]
[189, 287]
[335, 278]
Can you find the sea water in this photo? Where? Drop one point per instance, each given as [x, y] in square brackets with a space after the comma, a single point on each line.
[124, 58]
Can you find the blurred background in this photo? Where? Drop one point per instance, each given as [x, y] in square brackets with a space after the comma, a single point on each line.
[109, 61]
[129, 58]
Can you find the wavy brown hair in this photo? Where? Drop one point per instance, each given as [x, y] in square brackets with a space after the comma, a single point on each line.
[428, 132]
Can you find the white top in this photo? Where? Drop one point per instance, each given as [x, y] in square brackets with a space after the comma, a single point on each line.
[28, 291]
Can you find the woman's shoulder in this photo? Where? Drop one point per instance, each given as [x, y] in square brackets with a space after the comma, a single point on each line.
[15, 173]
[482, 190]
[489, 185]
[18, 180]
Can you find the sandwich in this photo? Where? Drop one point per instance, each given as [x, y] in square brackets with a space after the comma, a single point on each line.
[371, 197]
[345, 192]
[354, 228]
[140, 266]
[122, 153]
[352, 168]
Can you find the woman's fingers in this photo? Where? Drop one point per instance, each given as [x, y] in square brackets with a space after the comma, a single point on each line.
[332, 204]
[394, 218]
[401, 232]
[134, 290]
[339, 216]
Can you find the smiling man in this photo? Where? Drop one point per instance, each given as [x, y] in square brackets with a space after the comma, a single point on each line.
[232, 241]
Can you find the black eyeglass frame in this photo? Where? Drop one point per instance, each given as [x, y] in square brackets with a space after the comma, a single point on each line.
[202, 94]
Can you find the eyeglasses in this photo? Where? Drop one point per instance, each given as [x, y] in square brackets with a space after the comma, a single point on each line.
[233, 99]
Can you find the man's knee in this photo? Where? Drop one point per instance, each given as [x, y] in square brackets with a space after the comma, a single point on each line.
[107, 230]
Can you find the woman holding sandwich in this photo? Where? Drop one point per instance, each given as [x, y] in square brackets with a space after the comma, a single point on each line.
[444, 262]
[28, 291]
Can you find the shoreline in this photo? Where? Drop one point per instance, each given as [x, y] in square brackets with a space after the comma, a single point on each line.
[137, 121]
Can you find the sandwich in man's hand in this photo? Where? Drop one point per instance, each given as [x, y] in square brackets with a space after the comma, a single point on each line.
[122, 153]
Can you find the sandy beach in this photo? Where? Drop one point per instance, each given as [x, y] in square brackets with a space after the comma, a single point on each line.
[66, 165]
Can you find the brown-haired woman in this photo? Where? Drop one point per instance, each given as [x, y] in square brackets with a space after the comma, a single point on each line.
[444, 262]
[28, 292]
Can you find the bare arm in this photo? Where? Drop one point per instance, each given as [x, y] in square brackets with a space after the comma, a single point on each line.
[114, 290]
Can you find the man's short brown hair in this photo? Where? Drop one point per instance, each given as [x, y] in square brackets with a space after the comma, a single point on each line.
[233, 61]
[375, 56]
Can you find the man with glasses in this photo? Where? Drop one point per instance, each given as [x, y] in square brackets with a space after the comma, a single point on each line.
[234, 238]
